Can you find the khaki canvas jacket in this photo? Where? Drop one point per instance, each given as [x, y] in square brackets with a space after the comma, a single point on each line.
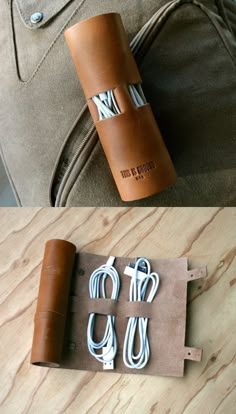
[50, 150]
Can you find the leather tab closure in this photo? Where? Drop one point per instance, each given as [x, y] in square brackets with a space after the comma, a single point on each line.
[193, 354]
[198, 273]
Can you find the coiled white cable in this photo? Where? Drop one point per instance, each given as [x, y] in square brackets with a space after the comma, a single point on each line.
[107, 105]
[138, 289]
[97, 283]
[137, 95]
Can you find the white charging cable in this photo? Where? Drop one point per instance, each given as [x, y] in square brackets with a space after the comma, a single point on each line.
[138, 288]
[137, 95]
[106, 102]
[97, 284]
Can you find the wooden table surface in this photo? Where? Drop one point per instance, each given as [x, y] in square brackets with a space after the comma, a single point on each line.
[206, 235]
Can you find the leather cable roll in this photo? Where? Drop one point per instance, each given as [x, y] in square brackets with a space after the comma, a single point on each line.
[52, 303]
[54, 346]
[132, 142]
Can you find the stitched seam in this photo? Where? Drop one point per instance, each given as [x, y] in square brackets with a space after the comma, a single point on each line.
[51, 45]
[18, 200]
[80, 174]
[215, 24]
[222, 11]
[54, 11]
[63, 198]
[20, 11]
[71, 167]
[16, 69]
[68, 135]
[10, 178]
[207, 13]
[13, 46]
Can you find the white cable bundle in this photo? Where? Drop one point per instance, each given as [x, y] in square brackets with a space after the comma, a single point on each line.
[138, 289]
[109, 342]
[137, 95]
[107, 105]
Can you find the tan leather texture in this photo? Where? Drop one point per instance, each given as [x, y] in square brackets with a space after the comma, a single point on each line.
[167, 313]
[52, 302]
[136, 153]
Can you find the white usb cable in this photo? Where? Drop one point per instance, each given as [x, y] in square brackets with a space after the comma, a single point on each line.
[137, 95]
[106, 102]
[108, 345]
[138, 287]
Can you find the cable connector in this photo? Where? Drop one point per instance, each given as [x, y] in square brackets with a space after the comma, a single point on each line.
[130, 271]
[103, 96]
[110, 261]
[108, 361]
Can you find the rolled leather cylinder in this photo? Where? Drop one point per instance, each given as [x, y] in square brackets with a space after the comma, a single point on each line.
[52, 303]
[136, 153]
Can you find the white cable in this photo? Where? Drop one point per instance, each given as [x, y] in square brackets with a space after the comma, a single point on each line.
[138, 288]
[106, 102]
[97, 283]
[141, 93]
[137, 95]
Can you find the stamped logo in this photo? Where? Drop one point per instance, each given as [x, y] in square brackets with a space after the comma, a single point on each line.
[138, 172]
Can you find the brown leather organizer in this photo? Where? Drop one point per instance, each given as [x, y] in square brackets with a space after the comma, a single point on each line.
[136, 153]
[63, 307]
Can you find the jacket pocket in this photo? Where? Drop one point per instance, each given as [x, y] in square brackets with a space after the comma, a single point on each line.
[72, 157]
[33, 25]
[48, 10]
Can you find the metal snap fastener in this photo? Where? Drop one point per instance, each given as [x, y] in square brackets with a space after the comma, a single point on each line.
[36, 17]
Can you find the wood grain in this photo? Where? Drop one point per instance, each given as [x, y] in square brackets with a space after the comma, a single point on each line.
[206, 235]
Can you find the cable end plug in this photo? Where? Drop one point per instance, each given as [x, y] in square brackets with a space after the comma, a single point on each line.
[129, 271]
[110, 261]
[108, 363]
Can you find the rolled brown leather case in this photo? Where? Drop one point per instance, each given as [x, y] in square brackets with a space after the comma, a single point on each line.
[52, 303]
[57, 345]
[136, 153]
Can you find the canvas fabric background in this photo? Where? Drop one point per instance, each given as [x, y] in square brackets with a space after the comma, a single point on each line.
[188, 77]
